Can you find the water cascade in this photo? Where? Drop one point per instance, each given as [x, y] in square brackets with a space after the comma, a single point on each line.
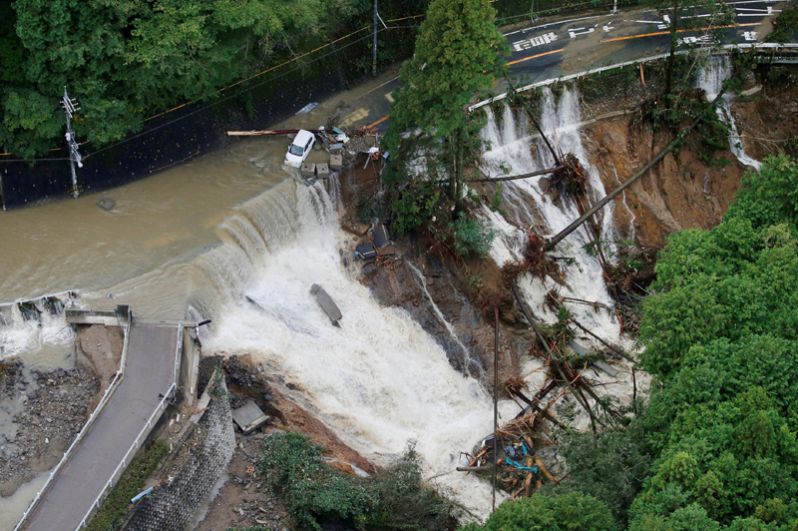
[468, 361]
[710, 79]
[37, 330]
[378, 381]
[513, 150]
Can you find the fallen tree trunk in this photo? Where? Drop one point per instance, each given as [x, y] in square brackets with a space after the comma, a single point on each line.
[517, 177]
[531, 116]
[629, 182]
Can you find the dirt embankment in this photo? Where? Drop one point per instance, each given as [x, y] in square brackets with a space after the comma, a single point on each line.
[683, 191]
[768, 119]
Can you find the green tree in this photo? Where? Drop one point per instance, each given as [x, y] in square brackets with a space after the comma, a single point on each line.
[458, 56]
[540, 512]
[126, 59]
[721, 340]
[679, 13]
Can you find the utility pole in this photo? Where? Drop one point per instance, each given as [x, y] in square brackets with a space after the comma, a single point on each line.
[374, 16]
[70, 106]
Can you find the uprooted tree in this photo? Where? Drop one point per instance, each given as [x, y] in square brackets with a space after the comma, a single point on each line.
[458, 56]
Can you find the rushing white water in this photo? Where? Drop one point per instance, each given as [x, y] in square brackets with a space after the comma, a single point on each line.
[37, 331]
[710, 79]
[513, 150]
[467, 358]
[378, 381]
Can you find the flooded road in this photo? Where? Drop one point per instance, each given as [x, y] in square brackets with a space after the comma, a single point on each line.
[154, 249]
[156, 223]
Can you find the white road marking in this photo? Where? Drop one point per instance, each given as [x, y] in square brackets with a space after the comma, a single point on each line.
[524, 30]
[576, 32]
[540, 40]
[692, 40]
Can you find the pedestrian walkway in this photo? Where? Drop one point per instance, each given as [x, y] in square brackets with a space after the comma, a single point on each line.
[126, 420]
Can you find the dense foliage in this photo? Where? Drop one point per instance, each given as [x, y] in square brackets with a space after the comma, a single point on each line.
[720, 337]
[315, 493]
[569, 512]
[126, 59]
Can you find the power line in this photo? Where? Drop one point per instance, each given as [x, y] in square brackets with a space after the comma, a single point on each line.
[71, 106]
[225, 98]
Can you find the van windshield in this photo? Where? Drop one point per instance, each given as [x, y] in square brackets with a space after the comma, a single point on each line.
[296, 150]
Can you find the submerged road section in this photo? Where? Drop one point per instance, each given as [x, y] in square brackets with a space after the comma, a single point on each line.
[133, 409]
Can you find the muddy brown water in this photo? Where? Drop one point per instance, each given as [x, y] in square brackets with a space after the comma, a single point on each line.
[136, 251]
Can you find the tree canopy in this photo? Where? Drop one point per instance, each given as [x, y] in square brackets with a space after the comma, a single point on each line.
[125, 59]
[459, 53]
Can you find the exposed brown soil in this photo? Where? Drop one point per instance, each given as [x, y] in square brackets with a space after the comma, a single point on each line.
[102, 348]
[679, 193]
[248, 380]
[768, 118]
[245, 499]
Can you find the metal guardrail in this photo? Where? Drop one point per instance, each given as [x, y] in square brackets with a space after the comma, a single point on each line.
[726, 49]
[131, 451]
[115, 381]
[142, 435]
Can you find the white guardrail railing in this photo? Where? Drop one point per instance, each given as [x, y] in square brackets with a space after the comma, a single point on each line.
[723, 50]
[115, 381]
[142, 435]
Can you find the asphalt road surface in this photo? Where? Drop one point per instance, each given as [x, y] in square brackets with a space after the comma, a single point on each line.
[540, 52]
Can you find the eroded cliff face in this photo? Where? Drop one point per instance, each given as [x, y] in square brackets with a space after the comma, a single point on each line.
[683, 191]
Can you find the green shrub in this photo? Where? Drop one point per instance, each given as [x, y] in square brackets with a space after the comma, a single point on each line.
[540, 512]
[471, 238]
[721, 341]
[315, 493]
[785, 26]
[415, 206]
[611, 467]
[113, 510]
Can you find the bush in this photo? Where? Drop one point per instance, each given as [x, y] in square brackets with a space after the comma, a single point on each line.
[311, 489]
[415, 206]
[721, 341]
[471, 238]
[610, 467]
[784, 26]
[315, 493]
[113, 510]
[574, 511]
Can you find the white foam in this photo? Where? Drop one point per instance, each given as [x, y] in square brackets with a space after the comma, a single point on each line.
[710, 79]
[513, 149]
[380, 380]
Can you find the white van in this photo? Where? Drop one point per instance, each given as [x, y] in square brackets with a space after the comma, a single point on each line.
[300, 148]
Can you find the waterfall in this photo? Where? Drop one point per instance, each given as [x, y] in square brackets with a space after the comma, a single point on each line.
[37, 329]
[512, 150]
[378, 381]
[710, 79]
[468, 360]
